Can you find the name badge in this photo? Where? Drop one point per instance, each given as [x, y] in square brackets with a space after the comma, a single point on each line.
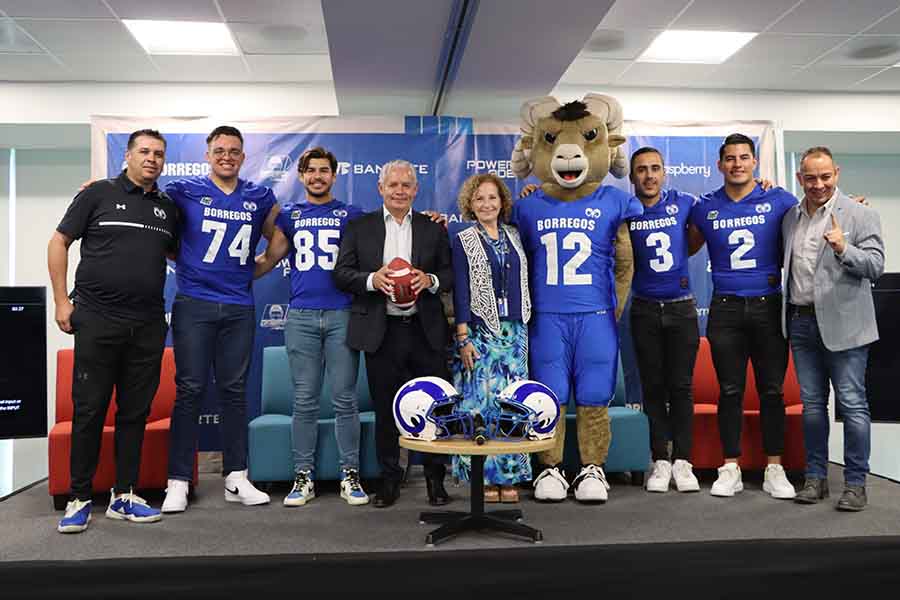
[502, 307]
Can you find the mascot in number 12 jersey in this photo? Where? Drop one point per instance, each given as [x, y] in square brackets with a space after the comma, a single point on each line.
[579, 255]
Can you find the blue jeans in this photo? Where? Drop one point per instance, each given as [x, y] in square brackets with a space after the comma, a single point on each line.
[846, 370]
[316, 342]
[209, 335]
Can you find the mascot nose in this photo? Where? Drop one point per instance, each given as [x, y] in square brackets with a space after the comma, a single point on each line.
[568, 151]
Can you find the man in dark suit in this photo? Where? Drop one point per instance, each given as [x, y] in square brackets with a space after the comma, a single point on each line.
[399, 343]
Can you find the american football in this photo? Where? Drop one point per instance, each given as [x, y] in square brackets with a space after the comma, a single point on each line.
[401, 275]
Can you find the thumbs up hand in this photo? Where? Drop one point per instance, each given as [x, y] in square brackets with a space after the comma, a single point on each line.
[835, 236]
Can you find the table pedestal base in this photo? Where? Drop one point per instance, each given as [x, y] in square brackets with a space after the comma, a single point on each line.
[454, 522]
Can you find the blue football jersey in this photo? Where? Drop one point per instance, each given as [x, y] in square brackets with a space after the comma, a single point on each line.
[660, 245]
[314, 232]
[744, 239]
[218, 238]
[571, 248]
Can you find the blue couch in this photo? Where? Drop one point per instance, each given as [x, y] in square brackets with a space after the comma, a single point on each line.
[270, 433]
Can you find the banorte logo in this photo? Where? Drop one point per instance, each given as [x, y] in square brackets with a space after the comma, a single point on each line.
[347, 168]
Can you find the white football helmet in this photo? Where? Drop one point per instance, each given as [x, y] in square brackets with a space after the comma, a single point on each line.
[427, 408]
[527, 410]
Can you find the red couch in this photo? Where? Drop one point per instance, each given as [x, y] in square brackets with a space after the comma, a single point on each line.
[707, 451]
[155, 452]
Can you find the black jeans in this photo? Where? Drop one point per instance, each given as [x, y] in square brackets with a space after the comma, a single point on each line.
[404, 354]
[666, 339]
[740, 328]
[111, 353]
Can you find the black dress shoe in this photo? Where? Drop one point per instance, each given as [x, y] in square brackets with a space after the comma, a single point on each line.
[853, 499]
[388, 494]
[813, 490]
[437, 495]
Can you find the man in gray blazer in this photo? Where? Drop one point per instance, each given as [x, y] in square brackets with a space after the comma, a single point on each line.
[833, 252]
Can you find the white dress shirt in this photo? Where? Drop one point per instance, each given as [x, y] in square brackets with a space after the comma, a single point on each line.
[398, 243]
[809, 235]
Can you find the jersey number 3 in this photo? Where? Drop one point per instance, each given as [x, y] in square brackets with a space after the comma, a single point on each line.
[574, 240]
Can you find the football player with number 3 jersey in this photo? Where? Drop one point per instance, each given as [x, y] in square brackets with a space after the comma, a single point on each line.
[316, 329]
[741, 224]
[664, 320]
[214, 316]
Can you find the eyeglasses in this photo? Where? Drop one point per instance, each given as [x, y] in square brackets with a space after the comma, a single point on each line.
[233, 153]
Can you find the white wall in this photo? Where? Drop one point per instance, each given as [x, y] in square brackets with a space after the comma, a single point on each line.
[46, 182]
[6, 462]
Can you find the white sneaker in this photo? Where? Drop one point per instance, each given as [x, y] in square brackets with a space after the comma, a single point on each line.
[176, 496]
[776, 484]
[239, 489]
[591, 485]
[303, 490]
[683, 474]
[352, 490]
[550, 486]
[729, 482]
[660, 476]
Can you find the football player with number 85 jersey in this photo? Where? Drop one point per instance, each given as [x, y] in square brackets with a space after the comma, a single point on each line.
[741, 223]
[214, 316]
[316, 329]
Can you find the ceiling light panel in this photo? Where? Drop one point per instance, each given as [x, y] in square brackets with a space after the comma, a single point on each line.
[697, 47]
[183, 37]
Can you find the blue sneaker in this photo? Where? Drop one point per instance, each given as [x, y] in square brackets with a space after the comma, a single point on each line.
[131, 507]
[78, 516]
[303, 490]
[352, 490]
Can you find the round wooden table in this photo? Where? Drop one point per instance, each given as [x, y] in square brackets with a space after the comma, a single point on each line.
[454, 522]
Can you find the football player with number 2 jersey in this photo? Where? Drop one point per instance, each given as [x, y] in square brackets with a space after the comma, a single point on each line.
[214, 316]
[316, 329]
[741, 224]
[664, 320]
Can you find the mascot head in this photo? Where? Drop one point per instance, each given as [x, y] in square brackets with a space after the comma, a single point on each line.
[572, 147]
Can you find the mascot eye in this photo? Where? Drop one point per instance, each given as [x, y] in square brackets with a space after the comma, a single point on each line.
[589, 135]
[549, 137]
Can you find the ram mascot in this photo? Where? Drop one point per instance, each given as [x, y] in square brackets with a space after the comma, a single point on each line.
[579, 251]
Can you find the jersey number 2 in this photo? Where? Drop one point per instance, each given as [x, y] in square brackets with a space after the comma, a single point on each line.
[572, 240]
[745, 238]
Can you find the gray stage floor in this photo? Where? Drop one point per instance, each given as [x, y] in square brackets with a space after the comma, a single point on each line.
[211, 527]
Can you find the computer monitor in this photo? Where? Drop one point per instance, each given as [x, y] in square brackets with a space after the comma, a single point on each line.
[23, 366]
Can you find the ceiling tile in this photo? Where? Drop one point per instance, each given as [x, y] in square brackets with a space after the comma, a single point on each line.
[871, 50]
[780, 49]
[273, 11]
[286, 67]
[617, 43]
[650, 14]
[79, 36]
[255, 38]
[110, 67]
[889, 26]
[12, 39]
[167, 10]
[666, 75]
[828, 78]
[834, 16]
[30, 67]
[886, 81]
[56, 9]
[719, 15]
[228, 69]
[593, 71]
[750, 77]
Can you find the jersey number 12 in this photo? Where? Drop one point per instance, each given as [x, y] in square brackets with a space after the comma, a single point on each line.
[574, 240]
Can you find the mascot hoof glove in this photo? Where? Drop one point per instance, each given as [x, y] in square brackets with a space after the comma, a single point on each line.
[591, 485]
[551, 486]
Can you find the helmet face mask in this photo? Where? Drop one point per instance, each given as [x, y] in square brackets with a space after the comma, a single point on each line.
[526, 410]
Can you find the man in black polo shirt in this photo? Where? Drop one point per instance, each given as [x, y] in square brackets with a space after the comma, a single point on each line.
[127, 228]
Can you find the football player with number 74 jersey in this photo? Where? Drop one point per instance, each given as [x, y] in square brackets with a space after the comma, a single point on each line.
[214, 316]
[741, 223]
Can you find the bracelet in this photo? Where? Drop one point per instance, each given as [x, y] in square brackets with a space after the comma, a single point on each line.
[460, 344]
